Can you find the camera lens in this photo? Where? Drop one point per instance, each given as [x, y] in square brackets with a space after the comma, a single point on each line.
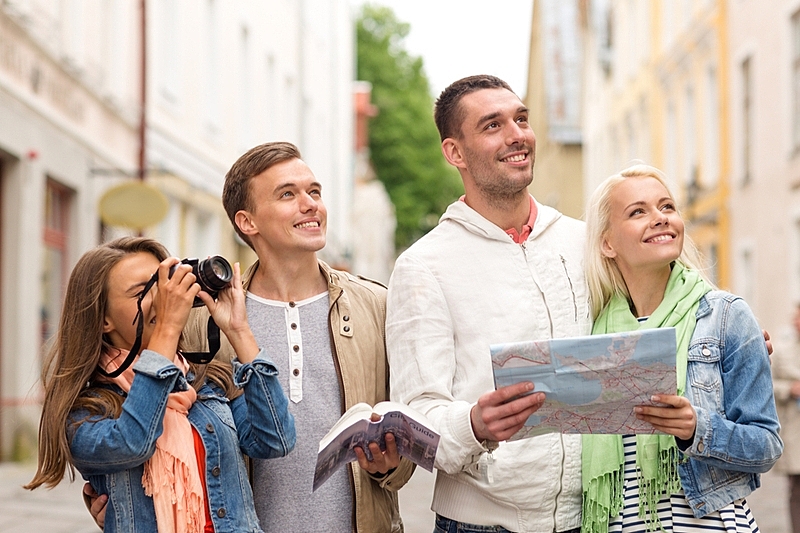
[214, 273]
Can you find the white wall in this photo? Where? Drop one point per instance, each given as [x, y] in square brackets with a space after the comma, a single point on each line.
[223, 76]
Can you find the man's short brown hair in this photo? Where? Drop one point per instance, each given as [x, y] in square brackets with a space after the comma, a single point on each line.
[447, 111]
[236, 191]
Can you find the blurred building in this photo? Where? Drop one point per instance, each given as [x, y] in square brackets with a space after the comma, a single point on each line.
[374, 220]
[708, 91]
[763, 71]
[656, 90]
[221, 77]
[554, 91]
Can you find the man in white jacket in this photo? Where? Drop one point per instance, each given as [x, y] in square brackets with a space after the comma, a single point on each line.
[499, 267]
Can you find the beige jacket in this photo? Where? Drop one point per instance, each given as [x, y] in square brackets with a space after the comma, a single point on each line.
[357, 321]
[786, 370]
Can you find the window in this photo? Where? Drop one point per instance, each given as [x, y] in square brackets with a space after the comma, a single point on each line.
[671, 147]
[747, 120]
[712, 264]
[212, 69]
[796, 80]
[747, 276]
[633, 148]
[667, 24]
[245, 94]
[169, 51]
[710, 171]
[54, 267]
[690, 148]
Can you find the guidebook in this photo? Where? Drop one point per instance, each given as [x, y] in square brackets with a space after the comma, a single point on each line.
[591, 383]
[412, 432]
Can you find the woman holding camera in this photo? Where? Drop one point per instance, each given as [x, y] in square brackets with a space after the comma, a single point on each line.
[720, 430]
[163, 438]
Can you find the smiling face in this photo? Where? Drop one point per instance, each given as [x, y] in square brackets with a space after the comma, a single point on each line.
[496, 148]
[645, 231]
[126, 280]
[289, 215]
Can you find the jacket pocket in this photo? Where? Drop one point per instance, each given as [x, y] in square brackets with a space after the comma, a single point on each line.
[704, 378]
[709, 477]
[220, 407]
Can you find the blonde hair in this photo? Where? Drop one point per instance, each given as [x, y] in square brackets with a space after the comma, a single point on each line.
[69, 374]
[602, 274]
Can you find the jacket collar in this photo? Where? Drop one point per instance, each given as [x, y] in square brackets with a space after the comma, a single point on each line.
[460, 213]
[336, 294]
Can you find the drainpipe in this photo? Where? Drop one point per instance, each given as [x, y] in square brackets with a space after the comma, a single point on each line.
[143, 93]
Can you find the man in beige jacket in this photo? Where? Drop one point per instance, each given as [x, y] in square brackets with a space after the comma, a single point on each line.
[324, 329]
[786, 377]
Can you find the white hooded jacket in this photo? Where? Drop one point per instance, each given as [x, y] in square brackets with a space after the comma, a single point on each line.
[459, 289]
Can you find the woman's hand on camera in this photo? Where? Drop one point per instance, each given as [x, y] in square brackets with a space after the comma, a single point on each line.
[230, 314]
[172, 303]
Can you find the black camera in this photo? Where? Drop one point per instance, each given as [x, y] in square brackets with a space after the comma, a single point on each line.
[213, 275]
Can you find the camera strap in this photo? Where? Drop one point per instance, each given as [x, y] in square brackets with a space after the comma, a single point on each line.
[203, 358]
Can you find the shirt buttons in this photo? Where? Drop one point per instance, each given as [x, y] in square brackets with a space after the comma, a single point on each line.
[296, 372]
[294, 326]
[296, 348]
[210, 428]
[215, 471]
[346, 318]
[346, 329]
[221, 512]
[291, 304]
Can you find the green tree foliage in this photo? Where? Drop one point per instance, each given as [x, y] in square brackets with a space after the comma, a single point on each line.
[403, 140]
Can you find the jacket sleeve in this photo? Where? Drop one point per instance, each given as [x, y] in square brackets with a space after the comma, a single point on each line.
[744, 437]
[263, 421]
[420, 340]
[103, 446]
[395, 480]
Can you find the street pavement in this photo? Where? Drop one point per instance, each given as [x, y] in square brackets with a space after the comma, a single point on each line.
[61, 509]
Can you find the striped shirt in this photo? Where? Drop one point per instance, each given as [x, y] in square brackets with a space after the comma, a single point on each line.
[673, 510]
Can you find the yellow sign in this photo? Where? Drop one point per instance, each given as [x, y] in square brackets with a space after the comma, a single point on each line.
[133, 204]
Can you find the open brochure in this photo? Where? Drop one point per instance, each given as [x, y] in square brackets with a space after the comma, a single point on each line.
[412, 432]
[592, 383]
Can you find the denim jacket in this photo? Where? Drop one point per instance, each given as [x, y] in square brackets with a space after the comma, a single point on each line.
[730, 386]
[110, 453]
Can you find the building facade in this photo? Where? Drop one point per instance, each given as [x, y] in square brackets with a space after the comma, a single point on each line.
[708, 91]
[764, 104]
[656, 91]
[220, 77]
[554, 97]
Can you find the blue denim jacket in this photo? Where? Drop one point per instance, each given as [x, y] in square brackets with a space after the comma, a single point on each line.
[110, 453]
[730, 386]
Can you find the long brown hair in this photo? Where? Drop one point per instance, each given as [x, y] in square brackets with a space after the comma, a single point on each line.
[69, 373]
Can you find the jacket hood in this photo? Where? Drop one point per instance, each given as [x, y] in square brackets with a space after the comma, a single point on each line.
[460, 213]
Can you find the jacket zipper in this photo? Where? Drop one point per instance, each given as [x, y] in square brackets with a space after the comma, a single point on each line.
[571, 288]
[561, 481]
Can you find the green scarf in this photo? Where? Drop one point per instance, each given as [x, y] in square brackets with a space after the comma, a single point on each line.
[656, 455]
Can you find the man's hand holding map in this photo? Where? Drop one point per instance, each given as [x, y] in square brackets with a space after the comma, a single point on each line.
[592, 383]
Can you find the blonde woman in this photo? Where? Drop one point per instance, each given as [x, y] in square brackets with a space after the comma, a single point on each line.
[720, 430]
[163, 438]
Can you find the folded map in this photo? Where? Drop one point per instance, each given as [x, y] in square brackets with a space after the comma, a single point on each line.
[592, 383]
